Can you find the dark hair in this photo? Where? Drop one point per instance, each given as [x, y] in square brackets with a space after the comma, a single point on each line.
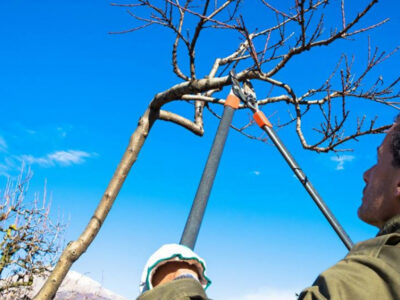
[396, 142]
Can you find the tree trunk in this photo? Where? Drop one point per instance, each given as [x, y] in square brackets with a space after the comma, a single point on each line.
[76, 248]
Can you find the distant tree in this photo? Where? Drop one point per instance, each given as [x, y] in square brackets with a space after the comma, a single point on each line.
[29, 241]
[260, 53]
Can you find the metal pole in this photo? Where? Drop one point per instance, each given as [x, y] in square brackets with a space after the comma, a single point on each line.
[195, 218]
[308, 186]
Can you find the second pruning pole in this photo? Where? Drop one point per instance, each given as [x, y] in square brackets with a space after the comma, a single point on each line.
[250, 101]
[308, 186]
[195, 218]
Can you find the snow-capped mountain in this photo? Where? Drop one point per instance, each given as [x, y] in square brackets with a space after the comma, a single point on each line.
[75, 286]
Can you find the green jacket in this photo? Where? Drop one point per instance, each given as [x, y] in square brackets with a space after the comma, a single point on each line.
[371, 270]
[180, 289]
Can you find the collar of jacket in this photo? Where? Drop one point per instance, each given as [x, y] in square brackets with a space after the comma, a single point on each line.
[390, 226]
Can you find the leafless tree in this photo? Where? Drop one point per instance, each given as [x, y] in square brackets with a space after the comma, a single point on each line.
[259, 55]
[29, 241]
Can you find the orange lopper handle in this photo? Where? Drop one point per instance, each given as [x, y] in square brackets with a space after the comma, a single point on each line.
[232, 101]
[261, 119]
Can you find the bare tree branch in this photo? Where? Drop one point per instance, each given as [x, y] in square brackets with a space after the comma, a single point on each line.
[177, 119]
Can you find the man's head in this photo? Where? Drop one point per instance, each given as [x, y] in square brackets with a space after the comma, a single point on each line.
[381, 195]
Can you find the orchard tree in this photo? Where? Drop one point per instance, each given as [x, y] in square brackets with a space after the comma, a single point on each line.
[29, 241]
[259, 54]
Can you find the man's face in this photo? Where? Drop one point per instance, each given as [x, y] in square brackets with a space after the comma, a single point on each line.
[381, 195]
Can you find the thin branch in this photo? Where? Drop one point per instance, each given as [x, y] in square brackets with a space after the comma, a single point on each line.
[240, 130]
[181, 121]
[175, 64]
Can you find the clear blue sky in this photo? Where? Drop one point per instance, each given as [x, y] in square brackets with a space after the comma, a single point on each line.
[71, 96]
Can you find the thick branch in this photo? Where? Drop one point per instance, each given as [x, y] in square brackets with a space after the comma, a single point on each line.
[76, 248]
[197, 86]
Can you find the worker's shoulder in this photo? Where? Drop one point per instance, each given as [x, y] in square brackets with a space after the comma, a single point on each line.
[379, 253]
[378, 247]
[371, 270]
[368, 259]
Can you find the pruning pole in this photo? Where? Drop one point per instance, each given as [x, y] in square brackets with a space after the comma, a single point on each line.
[196, 215]
[265, 125]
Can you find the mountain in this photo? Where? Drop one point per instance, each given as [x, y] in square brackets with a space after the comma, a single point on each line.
[75, 286]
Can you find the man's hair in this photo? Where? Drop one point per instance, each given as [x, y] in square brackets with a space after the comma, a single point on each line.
[396, 142]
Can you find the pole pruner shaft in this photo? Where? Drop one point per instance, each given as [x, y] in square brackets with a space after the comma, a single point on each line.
[196, 215]
[309, 187]
[250, 101]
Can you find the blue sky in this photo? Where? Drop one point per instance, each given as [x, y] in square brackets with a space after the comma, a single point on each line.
[71, 96]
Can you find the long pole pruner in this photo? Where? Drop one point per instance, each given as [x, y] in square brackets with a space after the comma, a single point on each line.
[196, 215]
[249, 99]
